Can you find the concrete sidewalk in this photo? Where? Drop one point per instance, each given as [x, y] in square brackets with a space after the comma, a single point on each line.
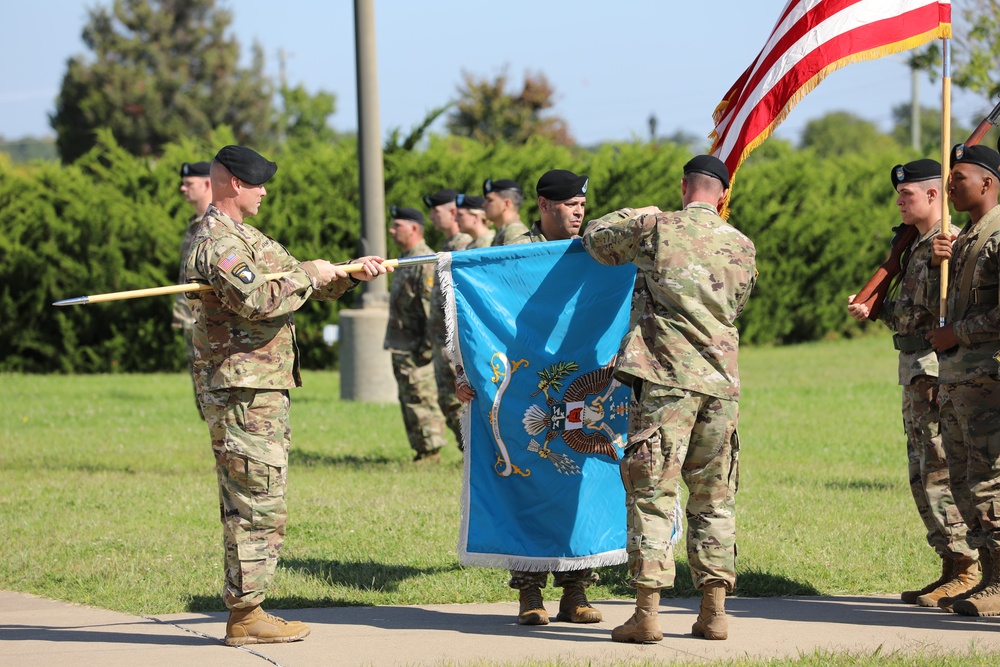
[36, 631]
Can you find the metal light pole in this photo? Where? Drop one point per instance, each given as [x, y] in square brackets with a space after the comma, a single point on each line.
[365, 368]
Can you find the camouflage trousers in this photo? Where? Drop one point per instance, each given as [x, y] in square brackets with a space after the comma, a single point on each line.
[250, 439]
[451, 407]
[422, 417]
[188, 332]
[970, 432]
[676, 434]
[520, 580]
[928, 469]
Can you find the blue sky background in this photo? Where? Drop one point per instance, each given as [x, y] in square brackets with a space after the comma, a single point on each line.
[612, 64]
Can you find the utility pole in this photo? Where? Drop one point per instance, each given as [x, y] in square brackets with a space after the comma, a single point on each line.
[365, 368]
[915, 108]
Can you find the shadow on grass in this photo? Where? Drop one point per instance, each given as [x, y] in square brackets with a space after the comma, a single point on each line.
[748, 584]
[862, 485]
[297, 457]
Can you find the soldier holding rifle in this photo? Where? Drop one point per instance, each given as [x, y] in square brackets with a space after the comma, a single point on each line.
[911, 314]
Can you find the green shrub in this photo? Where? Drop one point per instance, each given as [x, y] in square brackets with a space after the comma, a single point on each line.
[113, 222]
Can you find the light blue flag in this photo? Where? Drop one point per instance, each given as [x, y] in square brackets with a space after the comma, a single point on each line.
[536, 328]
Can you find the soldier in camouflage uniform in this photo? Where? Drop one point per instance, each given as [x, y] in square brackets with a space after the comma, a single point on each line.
[407, 337]
[444, 215]
[911, 315]
[197, 190]
[471, 220]
[695, 273]
[561, 203]
[246, 360]
[969, 382]
[503, 199]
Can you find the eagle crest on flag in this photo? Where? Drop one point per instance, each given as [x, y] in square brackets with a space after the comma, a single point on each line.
[582, 423]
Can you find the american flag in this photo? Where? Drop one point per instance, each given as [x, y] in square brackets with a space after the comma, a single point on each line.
[811, 39]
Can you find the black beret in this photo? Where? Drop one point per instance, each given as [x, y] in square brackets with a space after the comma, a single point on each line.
[984, 156]
[710, 166]
[470, 201]
[195, 169]
[439, 197]
[489, 185]
[916, 171]
[403, 213]
[561, 184]
[246, 164]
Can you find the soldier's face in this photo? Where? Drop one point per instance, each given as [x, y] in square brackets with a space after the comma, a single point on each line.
[966, 185]
[249, 198]
[404, 233]
[562, 218]
[443, 216]
[494, 207]
[466, 220]
[913, 202]
[195, 188]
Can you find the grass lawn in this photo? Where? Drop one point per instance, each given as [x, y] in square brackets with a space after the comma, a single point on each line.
[108, 494]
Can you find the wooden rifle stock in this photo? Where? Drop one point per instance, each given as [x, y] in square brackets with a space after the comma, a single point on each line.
[875, 290]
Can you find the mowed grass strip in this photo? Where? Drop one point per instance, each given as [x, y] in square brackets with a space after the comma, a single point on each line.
[109, 496]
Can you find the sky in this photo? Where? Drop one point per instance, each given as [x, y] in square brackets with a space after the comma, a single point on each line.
[612, 64]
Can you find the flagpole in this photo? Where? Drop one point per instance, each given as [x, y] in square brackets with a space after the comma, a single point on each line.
[945, 167]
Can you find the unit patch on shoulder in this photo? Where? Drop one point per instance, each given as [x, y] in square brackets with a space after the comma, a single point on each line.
[243, 272]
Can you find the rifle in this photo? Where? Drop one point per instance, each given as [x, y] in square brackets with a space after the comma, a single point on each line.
[877, 288]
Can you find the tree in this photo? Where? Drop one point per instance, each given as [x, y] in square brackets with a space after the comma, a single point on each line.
[843, 133]
[162, 70]
[27, 149]
[304, 117]
[976, 59]
[930, 129]
[486, 112]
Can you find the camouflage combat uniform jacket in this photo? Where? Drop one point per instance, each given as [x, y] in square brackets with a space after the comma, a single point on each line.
[509, 232]
[978, 328]
[533, 235]
[915, 311]
[457, 241]
[246, 332]
[183, 318]
[484, 241]
[695, 275]
[409, 307]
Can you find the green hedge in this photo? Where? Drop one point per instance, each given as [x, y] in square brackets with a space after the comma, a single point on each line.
[112, 221]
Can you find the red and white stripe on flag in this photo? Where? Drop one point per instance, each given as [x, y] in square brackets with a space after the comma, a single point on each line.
[811, 39]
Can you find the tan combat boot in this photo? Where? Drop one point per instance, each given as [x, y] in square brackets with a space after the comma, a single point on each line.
[256, 626]
[644, 625]
[964, 575]
[712, 622]
[574, 607]
[987, 601]
[947, 566]
[985, 563]
[532, 610]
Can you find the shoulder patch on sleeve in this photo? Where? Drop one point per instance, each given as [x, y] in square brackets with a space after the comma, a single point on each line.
[243, 272]
[229, 261]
